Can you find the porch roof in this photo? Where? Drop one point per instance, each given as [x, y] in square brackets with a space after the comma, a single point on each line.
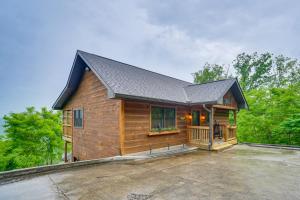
[127, 81]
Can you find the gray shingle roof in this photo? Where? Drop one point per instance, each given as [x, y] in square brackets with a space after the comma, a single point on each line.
[127, 81]
[208, 92]
[124, 79]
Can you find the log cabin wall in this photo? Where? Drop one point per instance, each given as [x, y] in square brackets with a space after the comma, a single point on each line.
[137, 127]
[221, 117]
[99, 136]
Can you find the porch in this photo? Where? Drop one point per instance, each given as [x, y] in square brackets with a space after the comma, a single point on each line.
[218, 133]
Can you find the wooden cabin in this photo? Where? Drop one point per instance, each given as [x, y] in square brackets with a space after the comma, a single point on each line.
[111, 108]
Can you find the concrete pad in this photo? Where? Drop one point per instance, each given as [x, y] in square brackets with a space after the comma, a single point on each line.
[241, 172]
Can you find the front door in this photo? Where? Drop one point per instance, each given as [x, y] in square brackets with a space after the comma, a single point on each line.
[196, 118]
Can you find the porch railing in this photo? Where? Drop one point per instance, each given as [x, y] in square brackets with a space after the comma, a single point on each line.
[198, 135]
[67, 131]
[230, 133]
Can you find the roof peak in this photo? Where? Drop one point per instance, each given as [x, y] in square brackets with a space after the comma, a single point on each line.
[80, 51]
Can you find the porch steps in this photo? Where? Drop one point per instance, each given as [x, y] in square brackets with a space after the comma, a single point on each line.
[222, 146]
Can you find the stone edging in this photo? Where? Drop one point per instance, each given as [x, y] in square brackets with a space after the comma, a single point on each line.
[22, 173]
[276, 146]
[50, 168]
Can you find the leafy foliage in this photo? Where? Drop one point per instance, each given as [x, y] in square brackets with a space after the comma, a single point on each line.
[265, 70]
[209, 73]
[32, 138]
[269, 115]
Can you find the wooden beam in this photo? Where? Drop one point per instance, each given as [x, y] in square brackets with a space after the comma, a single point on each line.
[212, 125]
[224, 107]
[66, 151]
[121, 126]
[72, 143]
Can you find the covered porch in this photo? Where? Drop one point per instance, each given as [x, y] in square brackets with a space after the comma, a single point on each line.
[212, 127]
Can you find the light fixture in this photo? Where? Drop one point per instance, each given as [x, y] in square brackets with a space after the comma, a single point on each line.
[202, 117]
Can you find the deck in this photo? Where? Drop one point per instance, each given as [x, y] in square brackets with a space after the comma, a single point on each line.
[199, 136]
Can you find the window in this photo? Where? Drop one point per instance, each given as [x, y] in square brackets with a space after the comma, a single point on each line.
[78, 118]
[227, 101]
[163, 118]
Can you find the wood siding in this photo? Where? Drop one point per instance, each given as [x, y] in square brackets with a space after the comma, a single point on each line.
[222, 116]
[137, 127]
[99, 136]
[230, 96]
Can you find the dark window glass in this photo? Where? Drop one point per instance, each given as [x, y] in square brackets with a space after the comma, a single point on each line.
[78, 118]
[227, 101]
[162, 118]
[196, 118]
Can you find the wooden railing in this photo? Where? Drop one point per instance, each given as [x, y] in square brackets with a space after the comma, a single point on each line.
[67, 131]
[230, 133]
[198, 135]
[67, 127]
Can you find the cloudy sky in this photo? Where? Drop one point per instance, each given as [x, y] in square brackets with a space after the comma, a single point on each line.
[38, 39]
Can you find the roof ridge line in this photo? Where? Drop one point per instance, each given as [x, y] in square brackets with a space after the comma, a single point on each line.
[195, 84]
[135, 66]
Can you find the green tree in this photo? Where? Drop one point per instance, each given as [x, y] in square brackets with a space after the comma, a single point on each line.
[32, 138]
[290, 130]
[270, 110]
[210, 72]
[285, 72]
[265, 70]
[253, 70]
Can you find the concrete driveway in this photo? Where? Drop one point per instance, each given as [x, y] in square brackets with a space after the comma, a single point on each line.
[241, 172]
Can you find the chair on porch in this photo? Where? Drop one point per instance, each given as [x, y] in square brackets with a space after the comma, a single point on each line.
[217, 130]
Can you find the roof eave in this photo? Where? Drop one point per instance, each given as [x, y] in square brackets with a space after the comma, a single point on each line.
[55, 106]
[58, 105]
[203, 102]
[127, 96]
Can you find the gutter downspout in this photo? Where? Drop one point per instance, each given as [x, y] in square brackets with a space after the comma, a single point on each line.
[210, 126]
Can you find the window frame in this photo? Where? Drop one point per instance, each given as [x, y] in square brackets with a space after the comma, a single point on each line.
[162, 106]
[74, 116]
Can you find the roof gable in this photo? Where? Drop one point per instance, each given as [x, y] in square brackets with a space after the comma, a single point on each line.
[127, 81]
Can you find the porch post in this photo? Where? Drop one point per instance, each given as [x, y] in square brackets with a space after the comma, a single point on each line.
[211, 124]
[66, 151]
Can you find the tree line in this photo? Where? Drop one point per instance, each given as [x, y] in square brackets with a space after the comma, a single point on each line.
[271, 84]
[32, 138]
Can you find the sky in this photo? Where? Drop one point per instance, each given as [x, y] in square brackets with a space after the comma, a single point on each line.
[39, 39]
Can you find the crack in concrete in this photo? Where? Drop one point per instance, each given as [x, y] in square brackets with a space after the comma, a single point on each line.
[60, 191]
